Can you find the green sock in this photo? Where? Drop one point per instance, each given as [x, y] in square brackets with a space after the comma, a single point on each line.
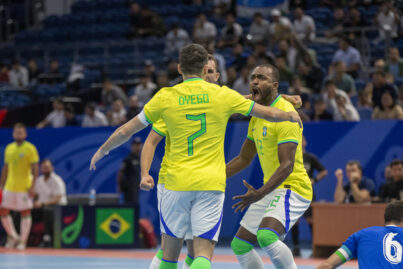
[201, 263]
[168, 265]
[189, 260]
[159, 254]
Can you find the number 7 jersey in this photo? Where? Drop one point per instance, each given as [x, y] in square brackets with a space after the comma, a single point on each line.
[196, 114]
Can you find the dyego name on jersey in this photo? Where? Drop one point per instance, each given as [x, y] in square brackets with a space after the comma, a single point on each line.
[193, 99]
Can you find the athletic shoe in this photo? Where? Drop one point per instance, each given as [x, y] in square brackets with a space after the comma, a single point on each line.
[11, 242]
[20, 246]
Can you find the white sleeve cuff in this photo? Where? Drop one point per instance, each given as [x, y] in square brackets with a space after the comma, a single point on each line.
[143, 118]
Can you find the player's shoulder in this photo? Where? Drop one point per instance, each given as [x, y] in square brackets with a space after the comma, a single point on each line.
[370, 232]
[284, 105]
[11, 146]
[29, 145]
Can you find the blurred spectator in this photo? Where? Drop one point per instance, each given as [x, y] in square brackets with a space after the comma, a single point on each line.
[344, 111]
[231, 33]
[387, 174]
[289, 53]
[349, 55]
[33, 71]
[262, 55]
[389, 78]
[241, 85]
[330, 93]
[135, 11]
[281, 27]
[50, 190]
[310, 73]
[231, 76]
[117, 114]
[251, 62]
[204, 31]
[297, 88]
[393, 189]
[400, 97]
[133, 107]
[145, 89]
[337, 24]
[221, 62]
[93, 117]
[320, 111]
[172, 70]
[364, 99]
[387, 20]
[149, 24]
[379, 87]
[342, 80]
[162, 81]
[54, 75]
[18, 75]
[111, 92]
[222, 7]
[70, 116]
[286, 73]
[356, 22]
[304, 25]
[175, 39]
[75, 77]
[4, 73]
[149, 69]
[297, 3]
[388, 109]
[238, 57]
[359, 188]
[55, 118]
[129, 174]
[380, 65]
[259, 30]
[394, 65]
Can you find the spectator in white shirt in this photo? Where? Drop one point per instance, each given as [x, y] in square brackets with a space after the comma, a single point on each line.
[117, 115]
[18, 75]
[241, 85]
[349, 55]
[56, 118]
[145, 89]
[331, 91]
[387, 20]
[175, 39]
[50, 190]
[203, 30]
[304, 25]
[344, 111]
[231, 33]
[259, 30]
[93, 117]
[111, 92]
[281, 27]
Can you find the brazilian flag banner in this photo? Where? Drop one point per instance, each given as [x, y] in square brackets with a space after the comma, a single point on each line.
[114, 226]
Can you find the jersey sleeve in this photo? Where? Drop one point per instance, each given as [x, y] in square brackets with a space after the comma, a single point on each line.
[250, 131]
[349, 247]
[288, 132]
[153, 109]
[7, 156]
[238, 103]
[34, 158]
[160, 128]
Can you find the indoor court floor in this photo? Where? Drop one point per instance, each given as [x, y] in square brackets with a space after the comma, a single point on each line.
[43, 258]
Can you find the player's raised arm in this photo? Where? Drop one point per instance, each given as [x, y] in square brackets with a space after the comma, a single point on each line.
[240, 162]
[273, 114]
[147, 156]
[295, 100]
[120, 136]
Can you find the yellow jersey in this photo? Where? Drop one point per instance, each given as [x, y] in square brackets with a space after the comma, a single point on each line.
[160, 128]
[19, 159]
[267, 136]
[196, 113]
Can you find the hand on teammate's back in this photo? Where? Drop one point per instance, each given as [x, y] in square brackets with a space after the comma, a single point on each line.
[146, 183]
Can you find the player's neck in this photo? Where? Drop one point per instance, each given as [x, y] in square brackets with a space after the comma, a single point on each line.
[186, 77]
[271, 98]
[19, 143]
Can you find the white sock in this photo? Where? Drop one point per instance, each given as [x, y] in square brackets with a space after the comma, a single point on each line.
[25, 228]
[250, 260]
[185, 266]
[155, 263]
[280, 255]
[8, 225]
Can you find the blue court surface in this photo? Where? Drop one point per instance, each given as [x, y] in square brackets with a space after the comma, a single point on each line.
[35, 258]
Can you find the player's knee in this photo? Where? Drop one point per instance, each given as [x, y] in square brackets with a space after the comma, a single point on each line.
[266, 237]
[240, 247]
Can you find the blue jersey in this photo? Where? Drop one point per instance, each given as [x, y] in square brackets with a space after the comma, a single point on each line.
[376, 247]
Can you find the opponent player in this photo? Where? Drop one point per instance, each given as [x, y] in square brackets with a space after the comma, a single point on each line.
[287, 189]
[154, 138]
[196, 113]
[18, 177]
[375, 247]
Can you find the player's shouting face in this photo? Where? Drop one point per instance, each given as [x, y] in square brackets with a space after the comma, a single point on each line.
[263, 84]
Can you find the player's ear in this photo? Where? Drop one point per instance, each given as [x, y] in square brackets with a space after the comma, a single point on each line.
[217, 75]
[179, 69]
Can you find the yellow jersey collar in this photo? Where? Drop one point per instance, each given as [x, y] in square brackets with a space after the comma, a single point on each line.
[275, 100]
[192, 79]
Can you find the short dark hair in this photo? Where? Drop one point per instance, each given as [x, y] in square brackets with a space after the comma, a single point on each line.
[275, 75]
[91, 106]
[212, 58]
[396, 162]
[394, 212]
[46, 160]
[69, 108]
[346, 39]
[192, 59]
[20, 125]
[355, 162]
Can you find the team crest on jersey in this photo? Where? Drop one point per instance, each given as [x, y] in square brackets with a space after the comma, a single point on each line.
[21, 155]
[264, 131]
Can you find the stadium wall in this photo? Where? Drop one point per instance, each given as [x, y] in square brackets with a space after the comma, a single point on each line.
[374, 143]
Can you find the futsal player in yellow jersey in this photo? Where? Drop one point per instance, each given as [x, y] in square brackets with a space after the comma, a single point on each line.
[196, 113]
[18, 176]
[287, 190]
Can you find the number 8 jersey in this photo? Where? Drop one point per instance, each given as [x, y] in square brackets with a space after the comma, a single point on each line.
[196, 114]
[375, 247]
